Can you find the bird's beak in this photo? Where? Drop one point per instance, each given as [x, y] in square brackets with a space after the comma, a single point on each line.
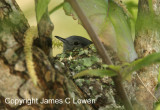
[61, 39]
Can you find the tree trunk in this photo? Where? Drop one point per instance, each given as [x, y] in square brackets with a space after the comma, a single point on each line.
[147, 42]
[14, 80]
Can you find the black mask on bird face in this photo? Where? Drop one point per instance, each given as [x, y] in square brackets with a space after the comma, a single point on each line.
[74, 42]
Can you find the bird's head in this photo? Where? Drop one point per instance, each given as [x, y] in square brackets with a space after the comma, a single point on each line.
[73, 42]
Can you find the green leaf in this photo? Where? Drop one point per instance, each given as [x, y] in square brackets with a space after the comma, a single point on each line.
[87, 62]
[110, 22]
[114, 67]
[41, 7]
[95, 59]
[131, 6]
[96, 73]
[125, 46]
[140, 63]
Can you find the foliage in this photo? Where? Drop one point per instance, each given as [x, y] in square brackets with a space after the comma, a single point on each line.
[131, 6]
[83, 65]
[125, 47]
[140, 63]
[96, 72]
[41, 7]
[125, 70]
[110, 20]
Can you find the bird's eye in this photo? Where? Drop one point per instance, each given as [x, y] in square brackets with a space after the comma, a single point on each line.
[76, 43]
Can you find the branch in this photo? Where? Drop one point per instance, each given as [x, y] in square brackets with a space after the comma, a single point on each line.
[103, 53]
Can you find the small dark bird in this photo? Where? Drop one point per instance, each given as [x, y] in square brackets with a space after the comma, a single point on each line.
[74, 42]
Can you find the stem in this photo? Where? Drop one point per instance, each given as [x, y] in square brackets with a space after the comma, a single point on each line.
[56, 8]
[103, 53]
[93, 35]
[45, 28]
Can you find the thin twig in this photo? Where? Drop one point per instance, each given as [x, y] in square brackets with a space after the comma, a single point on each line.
[146, 88]
[56, 8]
[106, 59]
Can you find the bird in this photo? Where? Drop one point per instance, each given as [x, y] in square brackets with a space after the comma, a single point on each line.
[73, 42]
